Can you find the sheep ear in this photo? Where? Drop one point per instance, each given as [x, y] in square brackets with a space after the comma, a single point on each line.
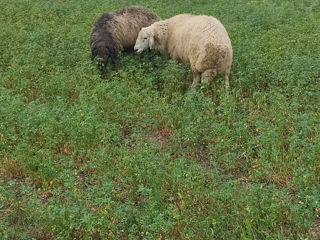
[151, 42]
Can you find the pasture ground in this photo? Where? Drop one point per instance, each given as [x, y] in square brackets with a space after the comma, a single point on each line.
[136, 154]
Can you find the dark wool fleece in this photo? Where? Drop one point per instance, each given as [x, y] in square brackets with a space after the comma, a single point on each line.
[113, 32]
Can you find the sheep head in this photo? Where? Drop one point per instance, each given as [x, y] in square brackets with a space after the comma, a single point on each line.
[145, 39]
[102, 48]
[154, 37]
[102, 54]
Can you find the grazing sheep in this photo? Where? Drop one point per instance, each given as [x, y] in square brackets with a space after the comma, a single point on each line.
[199, 40]
[113, 32]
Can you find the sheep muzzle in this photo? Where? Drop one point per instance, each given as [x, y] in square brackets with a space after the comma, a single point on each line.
[102, 64]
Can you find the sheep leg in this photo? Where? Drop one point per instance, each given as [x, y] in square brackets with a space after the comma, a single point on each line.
[113, 61]
[226, 80]
[208, 75]
[196, 79]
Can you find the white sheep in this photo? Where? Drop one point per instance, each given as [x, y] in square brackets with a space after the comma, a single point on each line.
[199, 40]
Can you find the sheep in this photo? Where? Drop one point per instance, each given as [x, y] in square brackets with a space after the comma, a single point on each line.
[114, 32]
[199, 40]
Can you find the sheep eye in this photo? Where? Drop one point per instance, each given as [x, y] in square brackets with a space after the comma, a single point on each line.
[145, 38]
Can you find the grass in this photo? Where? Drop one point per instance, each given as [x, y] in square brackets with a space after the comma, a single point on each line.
[137, 154]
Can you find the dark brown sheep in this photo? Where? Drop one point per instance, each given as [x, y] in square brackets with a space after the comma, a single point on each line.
[114, 32]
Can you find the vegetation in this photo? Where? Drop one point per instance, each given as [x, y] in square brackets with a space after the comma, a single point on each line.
[136, 154]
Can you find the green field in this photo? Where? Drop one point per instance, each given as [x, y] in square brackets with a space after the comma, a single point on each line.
[136, 154]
